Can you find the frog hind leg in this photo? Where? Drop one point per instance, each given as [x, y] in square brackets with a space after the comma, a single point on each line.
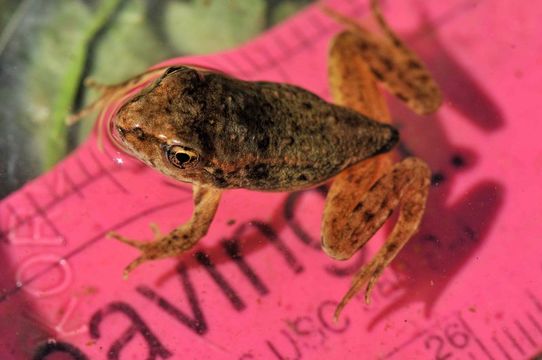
[398, 68]
[181, 239]
[362, 197]
[348, 224]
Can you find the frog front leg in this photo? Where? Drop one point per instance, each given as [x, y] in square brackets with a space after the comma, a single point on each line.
[181, 239]
[363, 196]
[110, 93]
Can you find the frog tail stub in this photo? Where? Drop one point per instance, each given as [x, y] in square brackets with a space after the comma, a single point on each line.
[366, 137]
[393, 139]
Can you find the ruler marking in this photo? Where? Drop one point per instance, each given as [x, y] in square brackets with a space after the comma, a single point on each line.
[242, 53]
[534, 300]
[234, 65]
[89, 179]
[476, 338]
[50, 188]
[319, 26]
[303, 40]
[288, 53]
[43, 214]
[535, 323]
[272, 62]
[4, 233]
[55, 201]
[262, 49]
[86, 244]
[107, 172]
[316, 22]
[73, 185]
[82, 166]
[18, 217]
[513, 340]
[282, 45]
[501, 348]
[400, 347]
[210, 62]
[525, 333]
[305, 43]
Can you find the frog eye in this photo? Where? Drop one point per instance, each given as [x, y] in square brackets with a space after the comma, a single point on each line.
[181, 156]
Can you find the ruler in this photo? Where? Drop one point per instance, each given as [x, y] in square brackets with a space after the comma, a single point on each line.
[258, 286]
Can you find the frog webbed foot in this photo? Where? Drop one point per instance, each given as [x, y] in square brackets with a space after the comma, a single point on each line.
[162, 246]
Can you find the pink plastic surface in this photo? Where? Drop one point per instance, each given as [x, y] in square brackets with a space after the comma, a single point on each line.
[468, 286]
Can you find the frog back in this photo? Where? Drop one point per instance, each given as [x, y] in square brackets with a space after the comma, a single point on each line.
[271, 136]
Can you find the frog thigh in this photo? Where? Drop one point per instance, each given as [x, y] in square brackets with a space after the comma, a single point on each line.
[184, 237]
[399, 69]
[348, 224]
[351, 81]
[340, 218]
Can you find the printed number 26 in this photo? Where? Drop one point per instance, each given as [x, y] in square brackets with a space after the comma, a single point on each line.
[453, 336]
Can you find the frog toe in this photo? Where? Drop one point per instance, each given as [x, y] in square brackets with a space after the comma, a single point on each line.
[131, 266]
[156, 230]
[135, 243]
[149, 251]
[367, 275]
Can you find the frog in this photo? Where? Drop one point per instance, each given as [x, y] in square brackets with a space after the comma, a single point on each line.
[216, 132]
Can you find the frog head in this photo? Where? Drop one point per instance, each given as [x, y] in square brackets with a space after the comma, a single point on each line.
[157, 127]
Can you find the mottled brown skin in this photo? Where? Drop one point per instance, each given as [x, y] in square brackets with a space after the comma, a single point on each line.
[218, 132]
[254, 135]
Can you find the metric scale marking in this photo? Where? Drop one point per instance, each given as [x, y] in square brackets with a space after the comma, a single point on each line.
[245, 278]
[516, 338]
